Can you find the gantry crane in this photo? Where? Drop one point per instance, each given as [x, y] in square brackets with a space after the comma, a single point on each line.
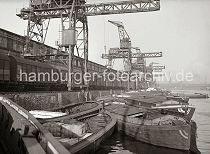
[73, 15]
[125, 52]
[125, 42]
[154, 68]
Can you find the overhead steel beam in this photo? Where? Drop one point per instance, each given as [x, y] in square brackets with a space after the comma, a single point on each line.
[147, 55]
[133, 55]
[158, 67]
[122, 7]
[133, 6]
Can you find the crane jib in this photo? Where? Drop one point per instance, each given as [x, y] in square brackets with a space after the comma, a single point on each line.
[49, 10]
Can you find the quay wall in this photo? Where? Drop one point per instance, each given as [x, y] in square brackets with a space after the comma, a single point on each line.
[49, 100]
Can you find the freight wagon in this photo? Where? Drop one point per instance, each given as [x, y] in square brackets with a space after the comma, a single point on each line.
[19, 74]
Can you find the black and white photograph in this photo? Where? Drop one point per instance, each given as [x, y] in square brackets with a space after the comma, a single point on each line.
[104, 77]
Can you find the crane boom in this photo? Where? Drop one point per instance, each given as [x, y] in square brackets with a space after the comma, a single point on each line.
[133, 55]
[46, 11]
[125, 41]
[131, 6]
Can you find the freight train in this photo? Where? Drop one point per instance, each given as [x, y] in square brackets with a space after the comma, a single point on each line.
[20, 74]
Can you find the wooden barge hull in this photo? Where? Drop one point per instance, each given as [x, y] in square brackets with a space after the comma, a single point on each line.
[22, 133]
[92, 143]
[193, 143]
[175, 137]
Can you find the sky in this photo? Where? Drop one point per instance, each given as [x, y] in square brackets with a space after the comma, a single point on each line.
[180, 30]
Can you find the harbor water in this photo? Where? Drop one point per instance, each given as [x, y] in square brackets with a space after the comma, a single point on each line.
[202, 118]
[122, 144]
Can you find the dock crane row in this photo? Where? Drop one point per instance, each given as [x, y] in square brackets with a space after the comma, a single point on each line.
[125, 52]
[73, 15]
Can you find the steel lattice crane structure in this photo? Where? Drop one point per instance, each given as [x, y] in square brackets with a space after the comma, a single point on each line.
[125, 52]
[125, 41]
[156, 67]
[125, 44]
[73, 15]
[151, 68]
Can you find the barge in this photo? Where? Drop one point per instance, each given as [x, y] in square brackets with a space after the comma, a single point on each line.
[20, 132]
[82, 134]
[152, 127]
